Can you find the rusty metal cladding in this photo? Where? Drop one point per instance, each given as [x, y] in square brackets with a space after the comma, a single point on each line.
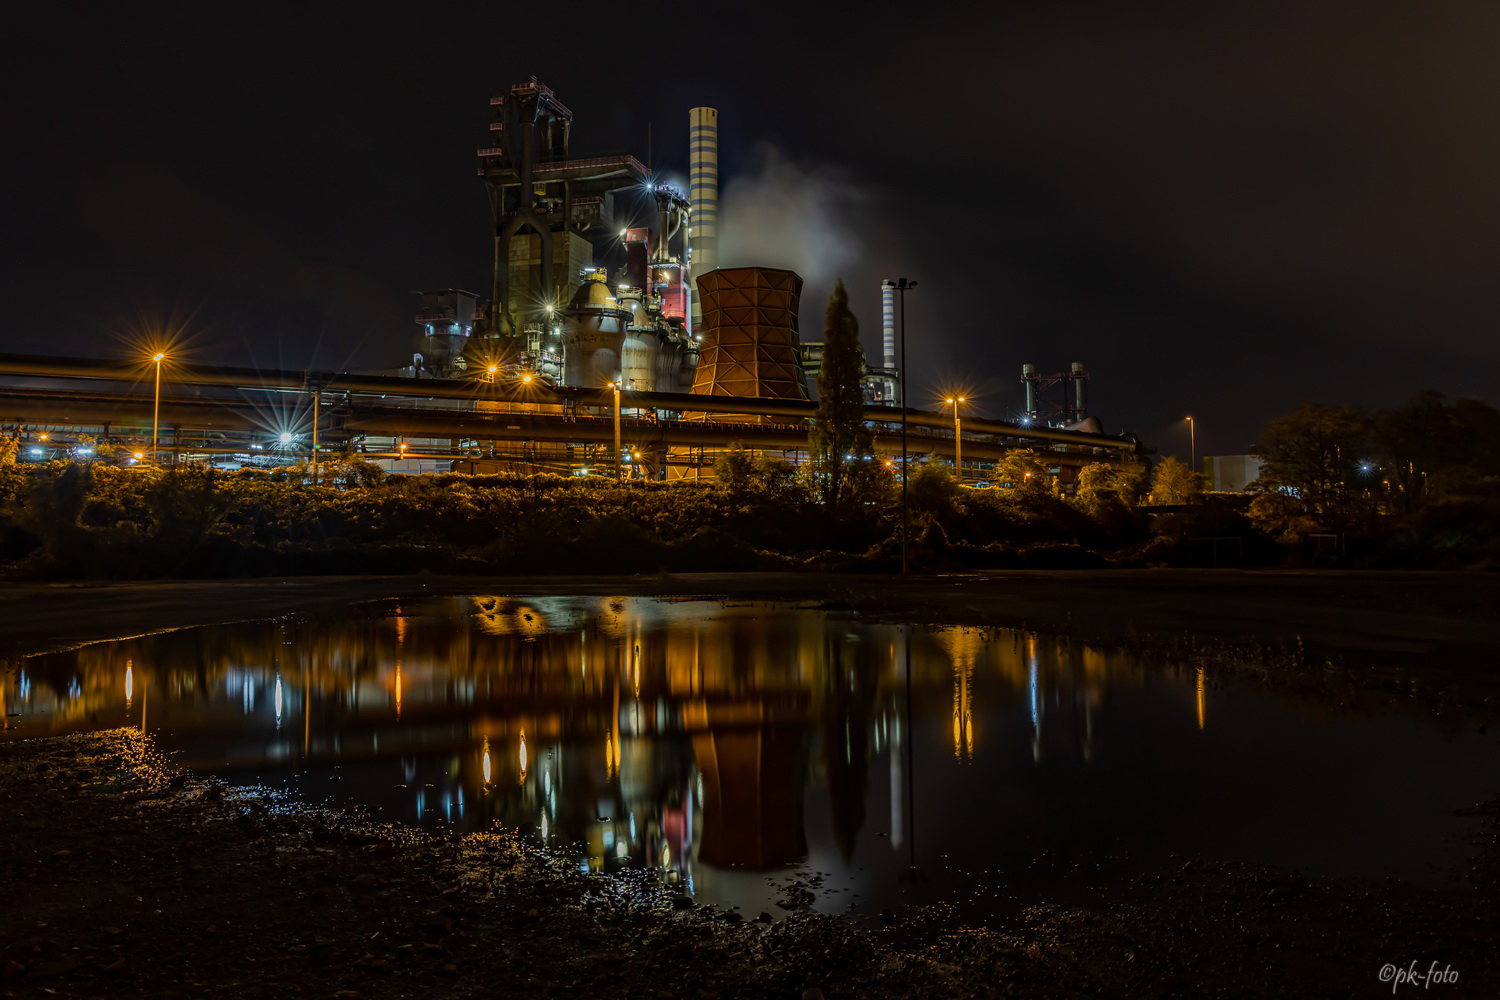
[749, 345]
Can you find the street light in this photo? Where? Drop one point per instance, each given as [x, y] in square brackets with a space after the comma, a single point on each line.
[1192, 445]
[901, 286]
[958, 445]
[619, 465]
[156, 408]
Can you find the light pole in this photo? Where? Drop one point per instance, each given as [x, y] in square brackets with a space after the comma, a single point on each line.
[619, 466]
[1192, 445]
[901, 286]
[156, 408]
[958, 444]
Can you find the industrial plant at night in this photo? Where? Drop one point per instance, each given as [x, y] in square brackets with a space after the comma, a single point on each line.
[612, 339]
[951, 501]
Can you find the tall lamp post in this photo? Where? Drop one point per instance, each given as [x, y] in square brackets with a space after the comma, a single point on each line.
[156, 408]
[901, 286]
[958, 443]
[1192, 445]
[619, 465]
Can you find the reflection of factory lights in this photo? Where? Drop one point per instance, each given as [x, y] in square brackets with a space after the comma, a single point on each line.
[485, 760]
[522, 756]
[1201, 704]
[278, 701]
[611, 756]
[398, 696]
[963, 719]
[129, 682]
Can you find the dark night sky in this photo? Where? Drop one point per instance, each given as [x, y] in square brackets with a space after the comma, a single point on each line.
[1222, 209]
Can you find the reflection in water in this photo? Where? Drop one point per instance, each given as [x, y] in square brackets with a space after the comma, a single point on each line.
[1200, 698]
[718, 742]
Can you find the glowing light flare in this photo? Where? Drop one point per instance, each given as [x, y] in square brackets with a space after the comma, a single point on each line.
[278, 701]
[484, 760]
[129, 682]
[398, 695]
[521, 756]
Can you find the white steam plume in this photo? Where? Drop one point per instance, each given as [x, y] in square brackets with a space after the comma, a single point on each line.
[790, 215]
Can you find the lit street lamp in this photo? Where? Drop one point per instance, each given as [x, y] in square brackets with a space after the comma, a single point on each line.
[156, 408]
[958, 444]
[619, 465]
[1192, 445]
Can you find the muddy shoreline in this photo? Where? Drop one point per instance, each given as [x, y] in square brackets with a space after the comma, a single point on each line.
[128, 878]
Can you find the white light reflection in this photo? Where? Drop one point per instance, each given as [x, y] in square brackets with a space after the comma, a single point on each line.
[130, 682]
[278, 701]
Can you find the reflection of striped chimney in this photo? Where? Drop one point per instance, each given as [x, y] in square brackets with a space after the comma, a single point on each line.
[888, 320]
[703, 192]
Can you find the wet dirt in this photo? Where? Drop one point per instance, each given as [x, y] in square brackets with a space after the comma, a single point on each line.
[127, 878]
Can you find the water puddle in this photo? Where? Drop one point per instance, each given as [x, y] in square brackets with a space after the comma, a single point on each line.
[767, 756]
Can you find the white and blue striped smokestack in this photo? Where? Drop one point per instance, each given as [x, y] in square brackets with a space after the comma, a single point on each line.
[888, 320]
[703, 194]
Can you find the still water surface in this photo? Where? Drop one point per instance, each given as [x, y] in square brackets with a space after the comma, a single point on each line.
[754, 752]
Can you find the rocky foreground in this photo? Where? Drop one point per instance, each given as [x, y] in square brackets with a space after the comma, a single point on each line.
[125, 878]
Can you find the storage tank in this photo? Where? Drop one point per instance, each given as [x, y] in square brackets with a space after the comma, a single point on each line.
[593, 332]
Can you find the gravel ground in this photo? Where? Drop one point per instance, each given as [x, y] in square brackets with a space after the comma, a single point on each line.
[125, 878]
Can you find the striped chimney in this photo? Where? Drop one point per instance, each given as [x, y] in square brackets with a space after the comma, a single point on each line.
[888, 320]
[703, 188]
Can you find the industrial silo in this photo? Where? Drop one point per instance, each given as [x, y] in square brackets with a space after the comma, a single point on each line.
[593, 333]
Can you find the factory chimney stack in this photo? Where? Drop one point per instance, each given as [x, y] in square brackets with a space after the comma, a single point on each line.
[888, 321]
[703, 193]
[1080, 390]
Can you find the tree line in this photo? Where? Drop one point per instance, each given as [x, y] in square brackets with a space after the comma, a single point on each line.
[1416, 485]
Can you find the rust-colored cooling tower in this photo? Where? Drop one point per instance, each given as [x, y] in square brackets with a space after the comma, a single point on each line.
[749, 345]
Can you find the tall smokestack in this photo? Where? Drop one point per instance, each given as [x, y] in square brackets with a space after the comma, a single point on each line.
[888, 321]
[703, 193]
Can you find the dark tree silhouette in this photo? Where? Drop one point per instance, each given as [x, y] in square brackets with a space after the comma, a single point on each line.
[840, 441]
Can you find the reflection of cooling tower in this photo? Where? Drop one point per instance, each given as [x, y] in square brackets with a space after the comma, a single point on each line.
[749, 341]
[752, 797]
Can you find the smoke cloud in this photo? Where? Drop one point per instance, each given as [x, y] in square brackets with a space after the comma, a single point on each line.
[797, 216]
